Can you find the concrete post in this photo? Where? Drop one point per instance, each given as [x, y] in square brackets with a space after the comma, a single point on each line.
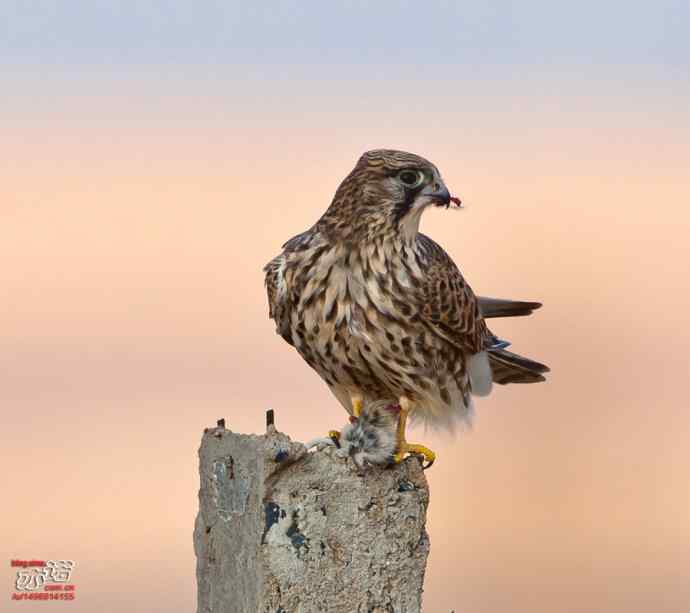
[280, 530]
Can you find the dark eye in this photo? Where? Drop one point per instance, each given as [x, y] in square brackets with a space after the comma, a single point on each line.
[411, 178]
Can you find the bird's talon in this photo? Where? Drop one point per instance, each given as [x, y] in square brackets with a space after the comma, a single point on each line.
[424, 454]
[334, 435]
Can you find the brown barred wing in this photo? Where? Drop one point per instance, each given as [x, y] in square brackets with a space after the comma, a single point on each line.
[447, 303]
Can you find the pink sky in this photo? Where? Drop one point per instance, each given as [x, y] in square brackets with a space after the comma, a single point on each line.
[136, 218]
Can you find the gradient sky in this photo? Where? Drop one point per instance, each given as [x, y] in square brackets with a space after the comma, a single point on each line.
[156, 155]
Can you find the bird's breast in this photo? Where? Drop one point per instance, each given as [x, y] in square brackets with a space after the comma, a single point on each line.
[352, 316]
[357, 288]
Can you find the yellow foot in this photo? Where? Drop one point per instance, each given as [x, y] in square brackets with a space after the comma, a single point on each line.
[420, 451]
[404, 447]
[334, 435]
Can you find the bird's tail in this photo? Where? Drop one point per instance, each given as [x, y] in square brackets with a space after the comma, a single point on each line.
[498, 307]
[508, 367]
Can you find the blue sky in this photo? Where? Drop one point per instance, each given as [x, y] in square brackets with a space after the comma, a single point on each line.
[435, 35]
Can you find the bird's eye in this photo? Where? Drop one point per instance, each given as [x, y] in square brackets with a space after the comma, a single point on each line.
[411, 178]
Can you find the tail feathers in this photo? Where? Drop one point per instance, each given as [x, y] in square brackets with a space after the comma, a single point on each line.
[508, 367]
[497, 307]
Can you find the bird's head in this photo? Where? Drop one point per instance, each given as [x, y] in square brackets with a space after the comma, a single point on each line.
[386, 193]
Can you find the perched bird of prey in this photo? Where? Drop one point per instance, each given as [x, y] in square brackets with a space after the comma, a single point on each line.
[381, 312]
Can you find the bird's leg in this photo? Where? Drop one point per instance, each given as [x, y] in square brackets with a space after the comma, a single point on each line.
[356, 405]
[356, 401]
[403, 446]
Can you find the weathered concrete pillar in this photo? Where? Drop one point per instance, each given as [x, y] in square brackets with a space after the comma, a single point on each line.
[280, 530]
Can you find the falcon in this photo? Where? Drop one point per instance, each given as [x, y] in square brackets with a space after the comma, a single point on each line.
[381, 312]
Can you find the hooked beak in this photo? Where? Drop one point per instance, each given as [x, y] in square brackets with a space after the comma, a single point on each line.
[438, 192]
